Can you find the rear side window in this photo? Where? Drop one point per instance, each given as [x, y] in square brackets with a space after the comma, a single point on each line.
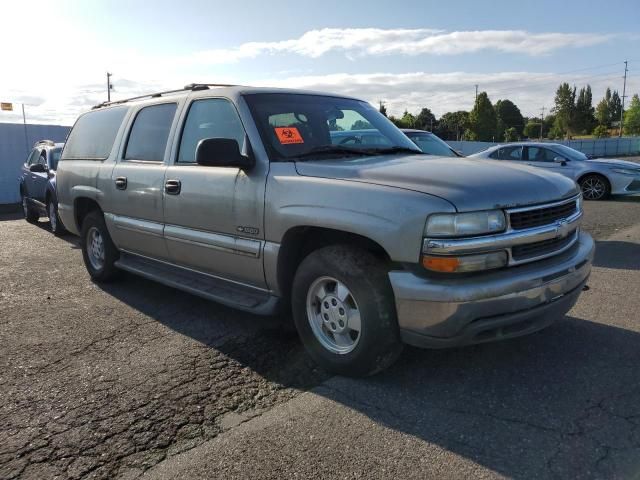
[93, 134]
[150, 132]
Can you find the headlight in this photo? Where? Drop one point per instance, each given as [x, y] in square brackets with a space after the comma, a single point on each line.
[626, 171]
[465, 224]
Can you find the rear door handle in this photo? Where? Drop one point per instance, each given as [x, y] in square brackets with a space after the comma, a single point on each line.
[172, 187]
[121, 183]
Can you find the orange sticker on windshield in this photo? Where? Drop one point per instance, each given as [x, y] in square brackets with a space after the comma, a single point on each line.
[288, 135]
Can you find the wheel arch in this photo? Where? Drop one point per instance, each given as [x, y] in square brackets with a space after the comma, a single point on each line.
[299, 241]
[82, 206]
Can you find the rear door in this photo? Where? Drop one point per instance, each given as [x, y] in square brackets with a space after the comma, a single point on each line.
[214, 215]
[137, 182]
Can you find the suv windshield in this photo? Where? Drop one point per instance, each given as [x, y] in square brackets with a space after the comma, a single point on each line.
[54, 156]
[299, 126]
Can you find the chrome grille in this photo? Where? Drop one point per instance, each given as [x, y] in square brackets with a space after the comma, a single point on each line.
[543, 248]
[537, 217]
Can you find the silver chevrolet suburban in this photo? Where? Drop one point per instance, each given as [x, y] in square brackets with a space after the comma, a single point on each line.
[250, 197]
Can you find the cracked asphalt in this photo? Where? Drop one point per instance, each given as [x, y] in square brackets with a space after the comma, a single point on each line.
[136, 379]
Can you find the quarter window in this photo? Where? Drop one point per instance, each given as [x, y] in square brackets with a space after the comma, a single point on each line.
[209, 118]
[150, 132]
[92, 136]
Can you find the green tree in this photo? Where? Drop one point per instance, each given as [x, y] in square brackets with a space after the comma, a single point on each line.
[408, 120]
[564, 109]
[615, 107]
[482, 119]
[425, 120]
[601, 131]
[511, 134]
[509, 116]
[453, 124]
[383, 108]
[361, 125]
[603, 113]
[584, 119]
[632, 117]
[532, 129]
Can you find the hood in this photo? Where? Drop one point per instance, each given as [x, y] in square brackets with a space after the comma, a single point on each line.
[613, 162]
[468, 184]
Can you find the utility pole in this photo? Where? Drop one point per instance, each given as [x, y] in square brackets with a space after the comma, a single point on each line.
[476, 93]
[624, 91]
[109, 86]
[541, 122]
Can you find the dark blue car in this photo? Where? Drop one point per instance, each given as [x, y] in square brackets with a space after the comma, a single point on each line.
[38, 184]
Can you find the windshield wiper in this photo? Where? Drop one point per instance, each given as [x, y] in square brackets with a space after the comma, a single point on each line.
[334, 150]
[392, 150]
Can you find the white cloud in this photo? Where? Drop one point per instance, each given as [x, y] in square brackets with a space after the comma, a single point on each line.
[403, 41]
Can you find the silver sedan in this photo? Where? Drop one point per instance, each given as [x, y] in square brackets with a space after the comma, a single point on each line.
[598, 178]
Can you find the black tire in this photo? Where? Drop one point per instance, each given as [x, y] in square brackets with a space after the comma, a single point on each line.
[107, 271]
[595, 187]
[378, 344]
[56, 226]
[30, 214]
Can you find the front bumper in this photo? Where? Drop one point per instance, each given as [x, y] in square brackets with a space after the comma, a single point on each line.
[506, 303]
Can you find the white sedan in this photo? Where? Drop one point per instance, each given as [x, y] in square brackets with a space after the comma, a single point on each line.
[598, 178]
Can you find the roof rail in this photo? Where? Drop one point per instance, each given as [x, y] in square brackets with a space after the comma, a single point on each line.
[191, 86]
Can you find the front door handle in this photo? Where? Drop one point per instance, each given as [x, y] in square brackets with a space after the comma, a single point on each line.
[172, 187]
[121, 183]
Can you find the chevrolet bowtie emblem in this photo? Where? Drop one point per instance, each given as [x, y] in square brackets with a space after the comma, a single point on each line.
[562, 228]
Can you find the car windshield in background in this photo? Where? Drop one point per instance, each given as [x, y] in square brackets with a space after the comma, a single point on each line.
[54, 157]
[299, 126]
[569, 153]
[432, 145]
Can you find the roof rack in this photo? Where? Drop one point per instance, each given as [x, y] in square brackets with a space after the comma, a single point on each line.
[192, 87]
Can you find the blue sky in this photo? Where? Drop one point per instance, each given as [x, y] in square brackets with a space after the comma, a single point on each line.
[409, 54]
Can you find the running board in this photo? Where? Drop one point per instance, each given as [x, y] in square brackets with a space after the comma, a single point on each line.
[206, 286]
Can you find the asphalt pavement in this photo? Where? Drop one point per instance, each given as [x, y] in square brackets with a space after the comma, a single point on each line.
[135, 379]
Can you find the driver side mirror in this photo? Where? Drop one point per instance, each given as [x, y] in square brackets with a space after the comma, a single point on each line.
[37, 168]
[561, 160]
[222, 152]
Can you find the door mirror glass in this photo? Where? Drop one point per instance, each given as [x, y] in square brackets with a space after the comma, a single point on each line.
[37, 168]
[222, 152]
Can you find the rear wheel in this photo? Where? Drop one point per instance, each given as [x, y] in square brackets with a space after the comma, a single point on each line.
[344, 311]
[54, 220]
[595, 187]
[30, 214]
[98, 251]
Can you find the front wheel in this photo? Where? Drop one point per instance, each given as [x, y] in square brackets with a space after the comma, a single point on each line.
[595, 187]
[98, 251]
[344, 311]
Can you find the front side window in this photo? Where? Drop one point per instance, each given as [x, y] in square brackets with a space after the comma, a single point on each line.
[150, 133]
[209, 118]
[432, 145]
[300, 126]
[539, 154]
[33, 157]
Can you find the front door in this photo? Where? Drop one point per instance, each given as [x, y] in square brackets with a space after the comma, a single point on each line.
[213, 215]
[136, 218]
[39, 179]
[544, 158]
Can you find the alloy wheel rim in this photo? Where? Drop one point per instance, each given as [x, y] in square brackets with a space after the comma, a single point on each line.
[593, 188]
[95, 248]
[334, 316]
